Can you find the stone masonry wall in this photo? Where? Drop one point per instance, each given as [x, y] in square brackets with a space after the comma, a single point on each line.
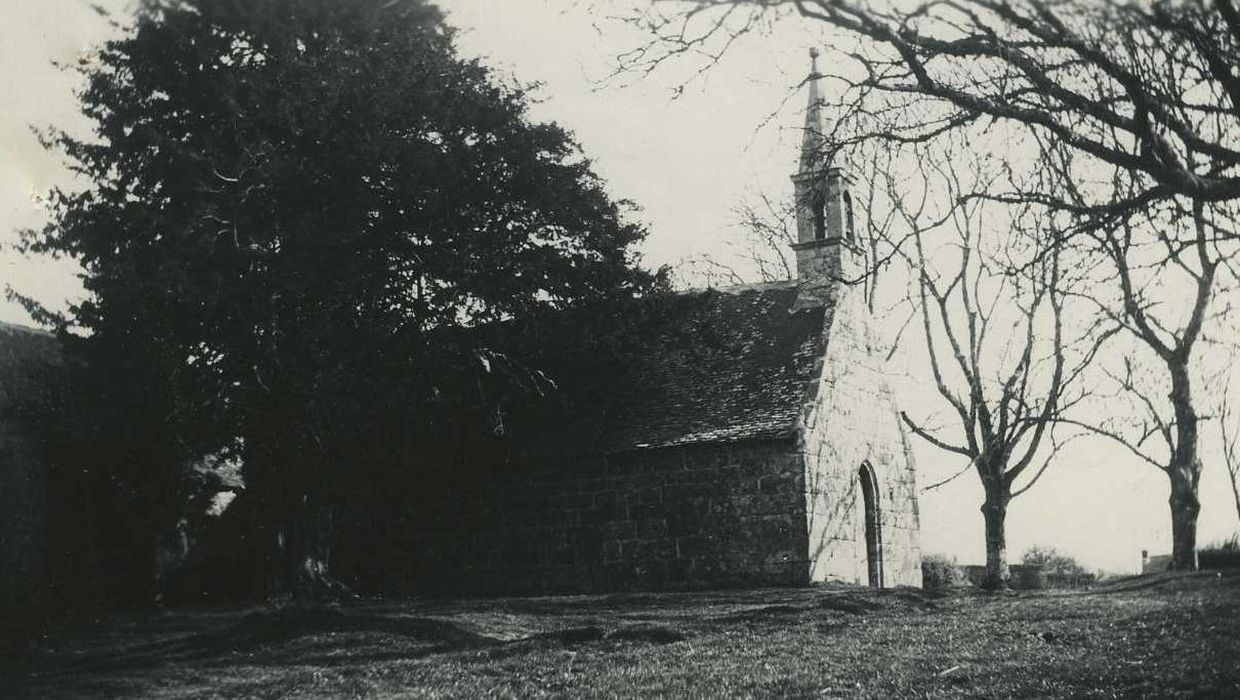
[850, 422]
[669, 518]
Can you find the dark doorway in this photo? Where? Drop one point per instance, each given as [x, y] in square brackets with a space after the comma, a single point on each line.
[873, 531]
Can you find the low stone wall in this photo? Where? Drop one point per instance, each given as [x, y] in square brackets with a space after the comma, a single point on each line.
[1031, 577]
[670, 518]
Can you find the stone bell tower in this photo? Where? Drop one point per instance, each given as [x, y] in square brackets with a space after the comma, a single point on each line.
[826, 236]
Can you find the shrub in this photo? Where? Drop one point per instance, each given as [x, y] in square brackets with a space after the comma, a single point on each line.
[1057, 570]
[1053, 562]
[939, 571]
[1220, 555]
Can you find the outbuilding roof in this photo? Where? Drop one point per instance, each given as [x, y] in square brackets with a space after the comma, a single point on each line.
[26, 355]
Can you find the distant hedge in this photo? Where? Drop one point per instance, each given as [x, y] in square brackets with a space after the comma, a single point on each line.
[939, 571]
[1221, 555]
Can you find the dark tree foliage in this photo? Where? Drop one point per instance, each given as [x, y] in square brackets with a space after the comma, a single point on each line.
[288, 202]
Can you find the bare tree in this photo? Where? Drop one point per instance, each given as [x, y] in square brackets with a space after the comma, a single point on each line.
[769, 227]
[1159, 269]
[1229, 426]
[992, 317]
[768, 230]
[1139, 103]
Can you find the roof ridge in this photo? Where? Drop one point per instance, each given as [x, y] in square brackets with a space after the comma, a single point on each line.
[743, 287]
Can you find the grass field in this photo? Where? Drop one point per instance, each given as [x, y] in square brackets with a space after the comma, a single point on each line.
[1165, 636]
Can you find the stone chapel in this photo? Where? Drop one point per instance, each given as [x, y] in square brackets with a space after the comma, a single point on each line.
[743, 436]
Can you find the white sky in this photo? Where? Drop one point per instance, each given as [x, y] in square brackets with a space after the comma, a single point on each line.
[685, 162]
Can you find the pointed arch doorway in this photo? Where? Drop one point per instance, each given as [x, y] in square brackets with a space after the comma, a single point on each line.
[873, 525]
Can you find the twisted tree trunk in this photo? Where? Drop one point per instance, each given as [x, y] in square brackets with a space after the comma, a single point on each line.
[1184, 470]
[994, 512]
[292, 487]
[308, 535]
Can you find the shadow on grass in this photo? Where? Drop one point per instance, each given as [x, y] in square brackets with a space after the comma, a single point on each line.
[762, 614]
[851, 602]
[265, 631]
[332, 637]
[845, 603]
[329, 637]
[653, 634]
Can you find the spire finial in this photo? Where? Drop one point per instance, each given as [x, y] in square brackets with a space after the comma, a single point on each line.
[811, 145]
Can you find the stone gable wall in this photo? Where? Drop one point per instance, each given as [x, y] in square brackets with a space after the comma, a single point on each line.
[851, 420]
[669, 518]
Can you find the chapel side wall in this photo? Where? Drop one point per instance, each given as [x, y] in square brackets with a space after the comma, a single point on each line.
[672, 518]
[853, 421]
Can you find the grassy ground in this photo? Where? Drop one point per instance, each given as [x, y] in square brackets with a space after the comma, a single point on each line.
[1164, 636]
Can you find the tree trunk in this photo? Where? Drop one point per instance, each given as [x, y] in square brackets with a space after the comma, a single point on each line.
[994, 511]
[1235, 490]
[295, 518]
[306, 541]
[1233, 469]
[1184, 509]
[1184, 471]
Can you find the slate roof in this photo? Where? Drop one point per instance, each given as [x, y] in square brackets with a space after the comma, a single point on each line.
[704, 366]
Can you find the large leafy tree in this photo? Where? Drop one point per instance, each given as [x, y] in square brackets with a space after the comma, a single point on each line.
[288, 202]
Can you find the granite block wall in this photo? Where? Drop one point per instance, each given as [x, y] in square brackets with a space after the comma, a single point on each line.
[669, 518]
